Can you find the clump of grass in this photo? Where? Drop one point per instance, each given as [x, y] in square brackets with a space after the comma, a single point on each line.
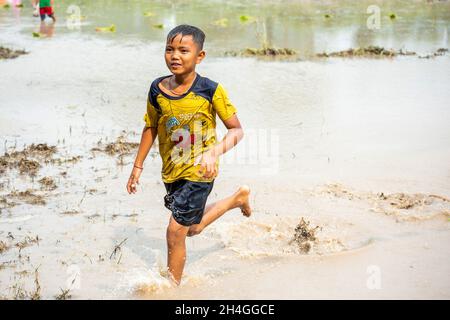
[47, 183]
[270, 52]
[4, 203]
[6, 53]
[19, 293]
[36, 294]
[27, 166]
[378, 52]
[370, 51]
[28, 241]
[64, 295]
[439, 52]
[120, 147]
[3, 165]
[246, 18]
[111, 28]
[3, 247]
[27, 161]
[28, 197]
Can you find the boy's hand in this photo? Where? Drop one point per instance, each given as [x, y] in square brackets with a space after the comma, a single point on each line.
[133, 180]
[208, 164]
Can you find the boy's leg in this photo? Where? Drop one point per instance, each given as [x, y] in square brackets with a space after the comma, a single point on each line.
[213, 211]
[53, 17]
[176, 249]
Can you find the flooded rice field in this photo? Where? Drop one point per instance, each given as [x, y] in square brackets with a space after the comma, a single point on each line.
[347, 151]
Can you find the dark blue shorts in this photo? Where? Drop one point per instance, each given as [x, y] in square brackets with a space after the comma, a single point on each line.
[187, 199]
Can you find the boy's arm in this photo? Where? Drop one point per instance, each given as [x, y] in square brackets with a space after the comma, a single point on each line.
[147, 139]
[234, 135]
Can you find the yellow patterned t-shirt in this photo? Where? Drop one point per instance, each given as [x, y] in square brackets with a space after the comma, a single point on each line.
[186, 125]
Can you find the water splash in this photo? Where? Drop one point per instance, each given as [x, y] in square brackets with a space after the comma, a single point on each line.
[275, 236]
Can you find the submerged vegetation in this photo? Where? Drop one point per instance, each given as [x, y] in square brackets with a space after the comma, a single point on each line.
[120, 147]
[6, 53]
[28, 161]
[370, 51]
[377, 52]
[27, 196]
[263, 52]
[111, 28]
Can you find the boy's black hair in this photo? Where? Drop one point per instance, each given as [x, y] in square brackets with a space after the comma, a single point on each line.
[186, 30]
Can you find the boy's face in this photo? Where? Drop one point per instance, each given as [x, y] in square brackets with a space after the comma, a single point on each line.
[183, 54]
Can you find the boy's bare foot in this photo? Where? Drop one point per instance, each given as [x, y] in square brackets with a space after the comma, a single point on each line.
[242, 199]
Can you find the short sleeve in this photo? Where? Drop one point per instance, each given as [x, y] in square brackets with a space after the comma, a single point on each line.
[222, 104]
[151, 116]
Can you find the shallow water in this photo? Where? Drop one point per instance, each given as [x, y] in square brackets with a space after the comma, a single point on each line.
[300, 25]
[368, 126]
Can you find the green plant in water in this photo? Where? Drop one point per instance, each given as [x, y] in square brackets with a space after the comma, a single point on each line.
[111, 28]
[158, 26]
[6, 6]
[36, 35]
[392, 16]
[243, 18]
[246, 19]
[149, 14]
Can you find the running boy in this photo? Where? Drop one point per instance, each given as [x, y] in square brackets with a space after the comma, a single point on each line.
[181, 111]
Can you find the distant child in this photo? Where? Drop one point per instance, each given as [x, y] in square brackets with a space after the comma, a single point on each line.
[181, 112]
[45, 8]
